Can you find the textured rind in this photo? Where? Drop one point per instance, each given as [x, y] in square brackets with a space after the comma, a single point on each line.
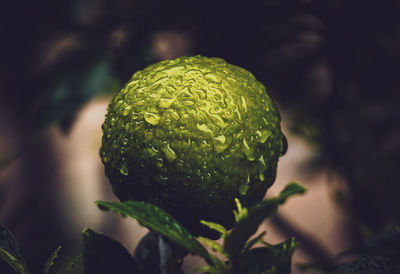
[190, 135]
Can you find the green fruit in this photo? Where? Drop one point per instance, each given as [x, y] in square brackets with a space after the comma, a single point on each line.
[189, 135]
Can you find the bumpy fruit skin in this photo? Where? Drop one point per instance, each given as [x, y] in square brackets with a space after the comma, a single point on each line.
[189, 135]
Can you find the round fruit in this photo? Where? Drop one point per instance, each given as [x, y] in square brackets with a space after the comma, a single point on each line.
[189, 135]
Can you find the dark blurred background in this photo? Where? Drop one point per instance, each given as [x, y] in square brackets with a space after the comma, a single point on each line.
[332, 66]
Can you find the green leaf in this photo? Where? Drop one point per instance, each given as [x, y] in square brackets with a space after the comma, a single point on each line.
[290, 190]
[103, 255]
[241, 212]
[255, 240]
[10, 252]
[214, 245]
[51, 259]
[217, 227]
[161, 222]
[247, 226]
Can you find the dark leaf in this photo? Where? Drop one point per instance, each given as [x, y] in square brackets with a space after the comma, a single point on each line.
[270, 259]
[71, 265]
[386, 244]
[103, 255]
[254, 241]
[367, 265]
[155, 255]
[283, 255]
[10, 252]
[51, 259]
[290, 190]
[161, 222]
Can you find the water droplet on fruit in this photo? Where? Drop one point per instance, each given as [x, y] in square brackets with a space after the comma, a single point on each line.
[170, 89]
[244, 104]
[160, 162]
[105, 159]
[188, 103]
[152, 118]
[243, 188]
[169, 153]
[135, 115]
[261, 159]
[165, 102]
[126, 111]
[175, 115]
[261, 175]
[204, 128]
[263, 135]
[163, 179]
[124, 169]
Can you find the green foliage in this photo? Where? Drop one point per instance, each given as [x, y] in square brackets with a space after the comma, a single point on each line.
[247, 226]
[237, 246]
[241, 211]
[217, 227]
[159, 221]
[103, 255]
[10, 251]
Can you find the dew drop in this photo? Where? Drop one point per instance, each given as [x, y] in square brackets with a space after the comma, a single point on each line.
[219, 146]
[244, 104]
[164, 179]
[139, 103]
[243, 188]
[135, 115]
[188, 103]
[124, 169]
[261, 175]
[152, 118]
[178, 228]
[169, 153]
[220, 139]
[170, 89]
[263, 137]
[248, 151]
[204, 128]
[201, 93]
[126, 111]
[105, 159]
[213, 77]
[245, 144]
[165, 102]
[261, 159]
[175, 115]
[160, 162]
